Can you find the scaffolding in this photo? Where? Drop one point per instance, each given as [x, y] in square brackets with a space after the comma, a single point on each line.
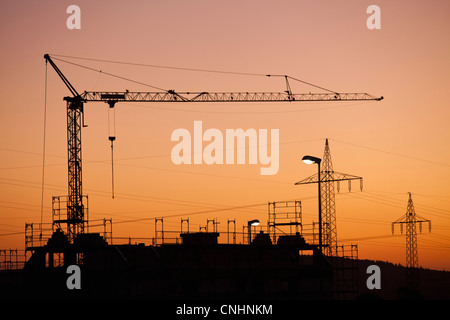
[249, 233]
[60, 208]
[233, 221]
[38, 234]
[345, 272]
[159, 231]
[285, 217]
[12, 259]
[284, 225]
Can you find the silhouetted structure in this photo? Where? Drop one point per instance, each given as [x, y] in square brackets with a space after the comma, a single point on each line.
[410, 219]
[194, 265]
[199, 267]
[76, 215]
[328, 205]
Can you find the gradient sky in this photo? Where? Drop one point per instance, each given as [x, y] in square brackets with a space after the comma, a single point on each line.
[399, 145]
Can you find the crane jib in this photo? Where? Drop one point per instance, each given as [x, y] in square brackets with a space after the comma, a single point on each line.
[172, 96]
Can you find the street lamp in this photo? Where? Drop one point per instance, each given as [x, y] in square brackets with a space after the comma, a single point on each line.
[250, 224]
[312, 160]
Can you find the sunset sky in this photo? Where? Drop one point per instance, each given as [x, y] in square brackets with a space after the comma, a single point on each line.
[398, 145]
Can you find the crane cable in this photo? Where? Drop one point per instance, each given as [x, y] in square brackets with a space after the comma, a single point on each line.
[112, 138]
[111, 75]
[43, 147]
[162, 67]
[183, 69]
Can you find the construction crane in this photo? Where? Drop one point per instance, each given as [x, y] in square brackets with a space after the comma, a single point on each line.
[75, 219]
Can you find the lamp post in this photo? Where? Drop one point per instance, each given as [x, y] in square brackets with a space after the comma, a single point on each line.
[250, 224]
[312, 160]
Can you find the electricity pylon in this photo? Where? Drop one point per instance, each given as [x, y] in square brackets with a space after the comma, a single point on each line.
[410, 219]
[327, 178]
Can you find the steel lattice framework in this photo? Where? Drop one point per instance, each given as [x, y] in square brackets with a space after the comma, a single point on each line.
[327, 178]
[75, 210]
[410, 219]
[172, 96]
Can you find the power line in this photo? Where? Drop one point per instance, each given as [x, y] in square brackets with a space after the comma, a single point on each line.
[396, 203]
[382, 236]
[29, 152]
[198, 212]
[134, 158]
[206, 174]
[393, 153]
[12, 233]
[442, 213]
[124, 195]
[250, 112]
[31, 166]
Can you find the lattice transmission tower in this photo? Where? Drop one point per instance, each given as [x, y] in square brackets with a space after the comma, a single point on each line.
[410, 219]
[327, 178]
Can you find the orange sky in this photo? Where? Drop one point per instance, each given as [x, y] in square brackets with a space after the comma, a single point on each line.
[399, 145]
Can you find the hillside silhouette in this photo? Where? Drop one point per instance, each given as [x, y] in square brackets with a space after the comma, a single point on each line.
[433, 284]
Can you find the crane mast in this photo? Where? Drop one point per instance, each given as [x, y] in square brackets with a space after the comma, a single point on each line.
[76, 207]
